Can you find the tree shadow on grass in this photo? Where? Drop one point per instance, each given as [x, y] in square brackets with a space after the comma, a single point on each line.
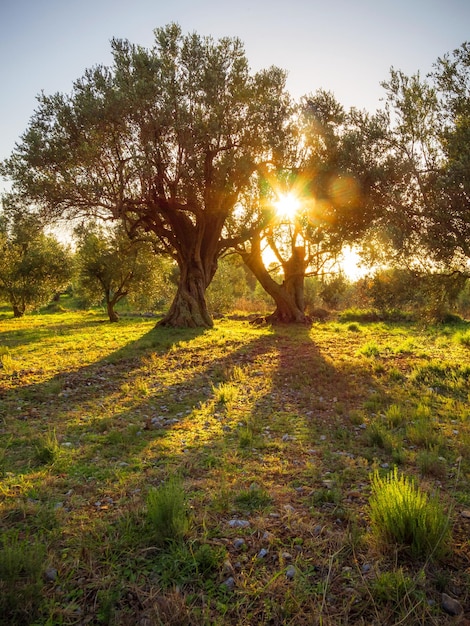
[279, 383]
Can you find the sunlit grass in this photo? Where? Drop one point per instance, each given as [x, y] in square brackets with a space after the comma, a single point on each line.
[279, 427]
[403, 514]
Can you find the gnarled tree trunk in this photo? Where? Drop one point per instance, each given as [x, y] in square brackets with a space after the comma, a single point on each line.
[288, 296]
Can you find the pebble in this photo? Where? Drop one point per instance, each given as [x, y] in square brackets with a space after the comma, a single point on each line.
[238, 543]
[239, 523]
[466, 514]
[287, 556]
[229, 583]
[262, 553]
[290, 572]
[451, 606]
[50, 574]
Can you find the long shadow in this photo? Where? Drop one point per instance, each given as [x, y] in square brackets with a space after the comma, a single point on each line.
[291, 358]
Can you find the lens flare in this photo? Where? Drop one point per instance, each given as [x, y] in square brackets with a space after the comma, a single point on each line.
[287, 205]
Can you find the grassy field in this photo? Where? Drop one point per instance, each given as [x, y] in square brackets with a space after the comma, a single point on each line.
[157, 476]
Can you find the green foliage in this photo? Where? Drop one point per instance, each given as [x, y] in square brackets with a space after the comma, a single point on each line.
[228, 285]
[184, 563]
[22, 563]
[379, 436]
[48, 448]
[112, 267]
[395, 415]
[463, 337]
[34, 265]
[167, 512]
[430, 295]
[253, 499]
[370, 349]
[401, 514]
[333, 290]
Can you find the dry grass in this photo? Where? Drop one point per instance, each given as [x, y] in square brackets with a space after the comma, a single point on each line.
[274, 427]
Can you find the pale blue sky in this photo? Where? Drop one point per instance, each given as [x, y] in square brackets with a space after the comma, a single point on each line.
[345, 46]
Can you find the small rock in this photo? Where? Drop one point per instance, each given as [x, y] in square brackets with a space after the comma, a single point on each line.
[50, 574]
[227, 567]
[262, 553]
[451, 606]
[229, 583]
[287, 556]
[365, 568]
[290, 572]
[238, 543]
[289, 508]
[239, 523]
[466, 514]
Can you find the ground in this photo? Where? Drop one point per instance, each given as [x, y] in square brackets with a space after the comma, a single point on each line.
[274, 434]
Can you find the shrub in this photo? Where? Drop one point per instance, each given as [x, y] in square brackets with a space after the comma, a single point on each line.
[403, 515]
[167, 512]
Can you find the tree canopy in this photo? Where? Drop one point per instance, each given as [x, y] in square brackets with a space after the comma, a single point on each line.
[34, 265]
[165, 140]
[188, 149]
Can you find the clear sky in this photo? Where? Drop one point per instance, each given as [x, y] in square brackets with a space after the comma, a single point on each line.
[344, 46]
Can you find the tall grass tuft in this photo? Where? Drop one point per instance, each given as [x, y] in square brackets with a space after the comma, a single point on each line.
[167, 512]
[48, 448]
[7, 363]
[403, 515]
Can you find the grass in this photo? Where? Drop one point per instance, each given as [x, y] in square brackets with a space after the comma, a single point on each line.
[167, 512]
[177, 476]
[403, 514]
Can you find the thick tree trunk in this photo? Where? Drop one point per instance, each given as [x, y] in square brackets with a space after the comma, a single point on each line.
[113, 316]
[189, 308]
[289, 296]
[110, 304]
[17, 312]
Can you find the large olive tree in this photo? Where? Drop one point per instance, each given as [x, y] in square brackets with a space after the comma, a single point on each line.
[165, 140]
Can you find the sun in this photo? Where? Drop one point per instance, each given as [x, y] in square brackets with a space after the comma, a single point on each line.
[287, 205]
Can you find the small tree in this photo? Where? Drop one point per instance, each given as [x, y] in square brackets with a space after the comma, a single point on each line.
[34, 266]
[111, 267]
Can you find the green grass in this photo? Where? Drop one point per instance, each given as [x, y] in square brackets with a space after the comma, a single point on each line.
[130, 453]
[404, 515]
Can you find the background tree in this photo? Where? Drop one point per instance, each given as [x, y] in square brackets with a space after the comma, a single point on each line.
[111, 267]
[449, 235]
[165, 140]
[424, 221]
[34, 266]
[336, 179]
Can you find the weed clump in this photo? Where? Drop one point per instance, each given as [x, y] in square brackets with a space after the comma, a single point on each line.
[403, 515]
[167, 512]
[48, 448]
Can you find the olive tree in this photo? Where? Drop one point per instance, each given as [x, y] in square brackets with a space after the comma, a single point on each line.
[165, 141]
[111, 267]
[33, 265]
[335, 180]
